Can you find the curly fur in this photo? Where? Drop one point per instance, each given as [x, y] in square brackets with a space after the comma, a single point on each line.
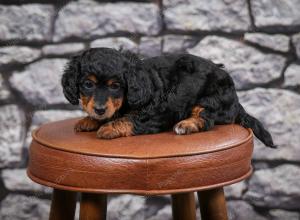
[162, 91]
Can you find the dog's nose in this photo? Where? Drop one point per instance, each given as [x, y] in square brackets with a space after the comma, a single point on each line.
[100, 110]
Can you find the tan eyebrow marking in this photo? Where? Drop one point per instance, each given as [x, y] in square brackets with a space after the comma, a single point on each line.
[93, 78]
[111, 81]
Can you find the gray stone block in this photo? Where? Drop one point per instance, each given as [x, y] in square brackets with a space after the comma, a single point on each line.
[12, 129]
[292, 75]
[278, 214]
[278, 187]
[116, 43]
[178, 43]
[19, 207]
[195, 15]
[274, 13]
[27, 22]
[17, 180]
[277, 42]
[62, 49]
[240, 210]
[126, 207]
[39, 83]
[88, 19]
[18, 55]
[150, 46]
[279, 111]
[246, 65]
[235, 190]
[163, 214]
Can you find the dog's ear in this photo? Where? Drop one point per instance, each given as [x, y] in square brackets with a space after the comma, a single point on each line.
[139, 85]
[70, 80]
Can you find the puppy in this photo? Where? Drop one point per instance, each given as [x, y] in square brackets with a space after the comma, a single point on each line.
[124, 95]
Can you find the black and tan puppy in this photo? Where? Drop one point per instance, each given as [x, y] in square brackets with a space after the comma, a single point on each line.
[124, 95]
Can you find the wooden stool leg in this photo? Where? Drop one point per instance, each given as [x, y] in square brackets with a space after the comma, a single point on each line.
[93, 206]
[212, 204]
[183, 206]
[63, 205]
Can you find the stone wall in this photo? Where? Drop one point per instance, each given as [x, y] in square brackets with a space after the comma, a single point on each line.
[257, 40]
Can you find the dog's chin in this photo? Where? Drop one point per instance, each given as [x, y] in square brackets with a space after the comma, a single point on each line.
[103, 117]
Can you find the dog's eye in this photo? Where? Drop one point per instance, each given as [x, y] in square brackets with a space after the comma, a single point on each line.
[88, 84]
[114, 86]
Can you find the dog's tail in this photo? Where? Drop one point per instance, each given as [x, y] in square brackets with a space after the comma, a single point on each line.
[259, 131]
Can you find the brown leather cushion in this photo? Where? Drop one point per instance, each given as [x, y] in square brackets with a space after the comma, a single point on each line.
[145, 164]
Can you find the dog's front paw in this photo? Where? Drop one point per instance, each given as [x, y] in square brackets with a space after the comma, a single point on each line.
[107, 131]
[87, 124]
[121, 127]
[187, 126]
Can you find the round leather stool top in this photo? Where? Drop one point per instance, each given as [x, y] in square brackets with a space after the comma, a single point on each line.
[147, 164]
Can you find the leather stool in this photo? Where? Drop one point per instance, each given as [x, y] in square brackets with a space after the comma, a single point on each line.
[146, 165]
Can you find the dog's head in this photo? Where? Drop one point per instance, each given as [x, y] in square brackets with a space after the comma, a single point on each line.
[104, 80]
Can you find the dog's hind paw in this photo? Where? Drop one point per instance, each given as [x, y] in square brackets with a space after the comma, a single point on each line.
[186, 127]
